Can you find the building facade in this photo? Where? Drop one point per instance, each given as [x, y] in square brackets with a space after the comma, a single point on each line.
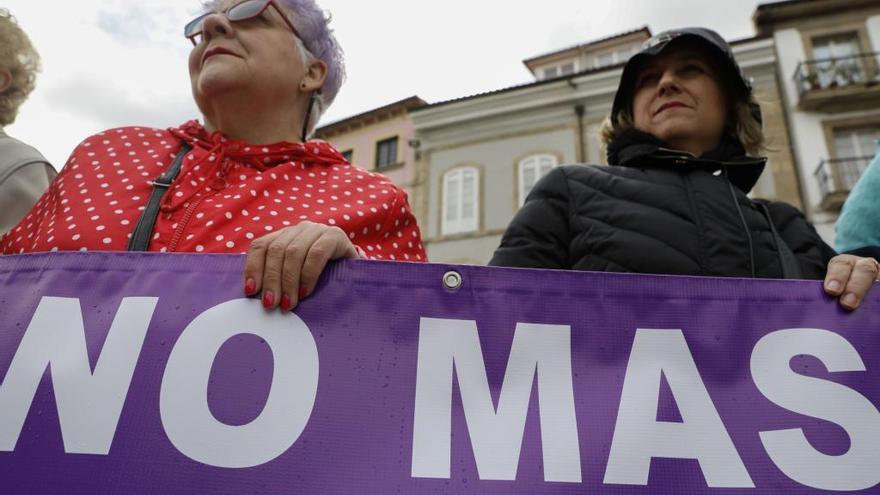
[828, 64]
[481, 155]
[380, 140]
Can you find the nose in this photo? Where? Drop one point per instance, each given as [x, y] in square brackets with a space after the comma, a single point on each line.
[668, 83]
[216, 25]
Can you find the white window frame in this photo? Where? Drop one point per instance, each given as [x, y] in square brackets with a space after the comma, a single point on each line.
[546, 72]
[534, 161]
[832, 43]
[558, 68]
[853, 135]
[454, 180]
[600, 64]
[618, 56]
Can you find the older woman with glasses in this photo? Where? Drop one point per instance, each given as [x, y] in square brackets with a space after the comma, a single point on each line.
[262, 73]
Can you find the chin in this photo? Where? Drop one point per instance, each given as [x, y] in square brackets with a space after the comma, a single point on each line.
[209, 85]
[675, 131]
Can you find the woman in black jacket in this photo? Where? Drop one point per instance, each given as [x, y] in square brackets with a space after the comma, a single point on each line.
[682, 140]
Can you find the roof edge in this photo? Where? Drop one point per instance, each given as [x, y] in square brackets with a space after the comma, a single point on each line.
[407, 104]
[580, 46]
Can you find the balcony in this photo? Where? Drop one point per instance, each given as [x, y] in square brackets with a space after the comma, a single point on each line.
[836, 177]
[838, 83]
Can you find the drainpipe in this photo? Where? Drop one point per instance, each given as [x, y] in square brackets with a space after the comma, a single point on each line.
[581, 151]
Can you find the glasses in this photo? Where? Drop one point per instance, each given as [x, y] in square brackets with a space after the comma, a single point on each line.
[249, 9]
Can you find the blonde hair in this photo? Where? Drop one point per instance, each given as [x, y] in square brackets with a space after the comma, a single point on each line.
[18, 56]
[742, 125]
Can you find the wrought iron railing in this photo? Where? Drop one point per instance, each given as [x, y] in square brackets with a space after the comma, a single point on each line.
[839, 175]
[838, 72]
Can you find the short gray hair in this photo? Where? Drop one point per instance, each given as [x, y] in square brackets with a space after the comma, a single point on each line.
[316, 41]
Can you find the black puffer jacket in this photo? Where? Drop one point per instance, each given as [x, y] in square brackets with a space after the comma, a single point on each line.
[660, 211]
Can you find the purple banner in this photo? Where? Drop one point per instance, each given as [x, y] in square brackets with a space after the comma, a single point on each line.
[147, 374]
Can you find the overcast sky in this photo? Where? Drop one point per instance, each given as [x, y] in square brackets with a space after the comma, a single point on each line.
[108, 63]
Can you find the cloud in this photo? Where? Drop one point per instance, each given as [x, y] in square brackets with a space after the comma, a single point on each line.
[131, 26]
[136, 25]
[112, 106]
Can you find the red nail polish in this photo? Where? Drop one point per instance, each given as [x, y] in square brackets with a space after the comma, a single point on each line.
[268, 299]
[285, 303]
[303, 293]
[250, 287]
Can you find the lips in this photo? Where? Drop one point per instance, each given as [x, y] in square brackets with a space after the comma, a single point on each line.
[669, 105]
[217, 50]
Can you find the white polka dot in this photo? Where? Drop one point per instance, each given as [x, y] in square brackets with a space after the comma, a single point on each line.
[200, 248]
[107, 240]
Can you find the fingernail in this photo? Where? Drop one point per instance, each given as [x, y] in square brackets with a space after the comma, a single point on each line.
[285, 303]
[250, 287]
[303, 293]
[850, 300]
[268, 299]
[834, 285]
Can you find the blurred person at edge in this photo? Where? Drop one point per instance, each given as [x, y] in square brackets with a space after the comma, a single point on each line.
[683, 139]
[24, 172]
[858, 228]
[262, 72]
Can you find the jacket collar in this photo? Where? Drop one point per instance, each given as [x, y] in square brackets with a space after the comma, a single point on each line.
[634, 148]
[258, 156]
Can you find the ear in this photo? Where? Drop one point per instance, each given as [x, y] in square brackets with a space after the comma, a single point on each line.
[316, 74]
[5, 80]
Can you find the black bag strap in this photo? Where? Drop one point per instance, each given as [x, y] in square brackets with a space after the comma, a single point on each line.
[790, 267]
[143, 231]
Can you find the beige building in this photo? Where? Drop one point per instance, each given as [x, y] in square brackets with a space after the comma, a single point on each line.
[380, 140]
[828, 64]
[481, 155]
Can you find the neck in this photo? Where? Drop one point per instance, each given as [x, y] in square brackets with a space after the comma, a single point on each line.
[256, 123]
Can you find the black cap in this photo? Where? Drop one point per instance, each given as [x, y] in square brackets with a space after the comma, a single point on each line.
[655, 46]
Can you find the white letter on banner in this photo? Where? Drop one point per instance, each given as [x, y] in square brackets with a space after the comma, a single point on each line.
[638, 436]
[453, 346]
[89, 403]
[789, 449]
[183, 401]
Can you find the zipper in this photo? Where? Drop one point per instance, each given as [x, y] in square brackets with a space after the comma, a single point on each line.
[225, 167]
[187, 216]
[703, 261]
[683, 157]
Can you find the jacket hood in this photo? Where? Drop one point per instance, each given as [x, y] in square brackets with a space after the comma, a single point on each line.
[659, 43]
[259, 156]
[634, 148]
[214, 153]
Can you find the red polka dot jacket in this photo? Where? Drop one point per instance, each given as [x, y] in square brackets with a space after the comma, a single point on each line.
[227, 194]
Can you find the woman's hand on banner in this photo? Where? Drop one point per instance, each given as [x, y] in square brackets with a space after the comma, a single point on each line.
[849, 278]
[284, 266]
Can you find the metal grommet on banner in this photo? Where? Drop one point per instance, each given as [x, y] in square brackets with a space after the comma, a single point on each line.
[452, 280]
